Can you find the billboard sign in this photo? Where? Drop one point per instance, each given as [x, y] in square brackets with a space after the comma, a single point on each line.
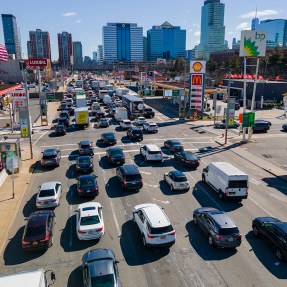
[36, 62]
[197, 67]
[253, 43]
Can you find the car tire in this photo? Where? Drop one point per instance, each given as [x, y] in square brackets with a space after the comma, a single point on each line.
[164, 178]
[51, 241]
[144, 241]
[172, 188]
[123, 187]
[255, 230]
[279, 254]
[210, 240]
[220, 195]
[194, 220]
[203, 178]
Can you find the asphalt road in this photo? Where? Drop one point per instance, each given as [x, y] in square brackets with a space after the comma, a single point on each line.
[190, 261]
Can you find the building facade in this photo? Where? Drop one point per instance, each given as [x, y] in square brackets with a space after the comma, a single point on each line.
[122, 42]
[212, 36]
[100, 54]
[11, 35]
[39, 43]
[165, 41]
[65, 49]
[276, 31]
[78, 53]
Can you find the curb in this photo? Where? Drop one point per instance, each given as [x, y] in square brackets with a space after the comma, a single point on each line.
[284, 178]
[12, 218]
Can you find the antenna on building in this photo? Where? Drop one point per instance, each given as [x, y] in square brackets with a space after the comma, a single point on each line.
[256, 12]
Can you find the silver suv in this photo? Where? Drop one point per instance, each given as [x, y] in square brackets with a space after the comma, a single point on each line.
[219, 227]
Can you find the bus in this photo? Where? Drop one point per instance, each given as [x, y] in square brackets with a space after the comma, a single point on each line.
[133, 104]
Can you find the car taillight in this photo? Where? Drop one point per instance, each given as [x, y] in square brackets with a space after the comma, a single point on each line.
[100, 229]
[91, 165]
[150, 236]
[80, 190]
[96, 188]
[124, 182]
[77, 167]
[25, 242]
[53, 200]
[238, 236]
[226, 190]
[218, 237]
[173, 233]
[39, 202]
[45, 239]
[141, 180]
[81, 232]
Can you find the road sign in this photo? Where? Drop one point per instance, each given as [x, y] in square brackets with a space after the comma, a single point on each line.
[231, 121]
[12, 162]
[248, 120]
[175, 93]
[196, 80]
[8, 147]
[24, 128]
[50, 96]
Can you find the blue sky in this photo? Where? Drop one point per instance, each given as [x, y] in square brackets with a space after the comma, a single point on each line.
[84, 19]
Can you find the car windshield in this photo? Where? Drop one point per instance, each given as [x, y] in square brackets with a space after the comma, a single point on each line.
[107, 280]
[85, 146]
[131, 177]
[175, 143]
[49, 156]
[89, 220]
[238, 184]
[180, 179]
[155, 152]
[160, 230]
[228, 231]
[36, 230]
[84, 160]
[109, 136]
[190, 156]
[46, 192]
[117, 153]
[87, 182]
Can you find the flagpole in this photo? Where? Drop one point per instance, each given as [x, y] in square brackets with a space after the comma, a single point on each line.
[244, 101]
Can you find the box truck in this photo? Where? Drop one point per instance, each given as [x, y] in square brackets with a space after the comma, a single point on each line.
[33, 278]
[102, 93]
[81, 117]
[107, 99]
[81, 101]
[227, 180]
[121, 114]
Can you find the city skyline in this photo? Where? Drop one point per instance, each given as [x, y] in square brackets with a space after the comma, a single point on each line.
[85, 23]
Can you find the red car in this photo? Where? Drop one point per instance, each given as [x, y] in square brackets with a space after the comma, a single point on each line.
[38, 232]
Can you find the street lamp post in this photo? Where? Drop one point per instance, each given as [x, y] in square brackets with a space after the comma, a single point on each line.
[266, 63]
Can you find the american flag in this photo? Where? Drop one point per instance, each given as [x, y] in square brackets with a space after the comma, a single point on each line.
[3, 54]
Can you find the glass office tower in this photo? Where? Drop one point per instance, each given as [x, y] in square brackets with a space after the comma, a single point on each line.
[78, 53]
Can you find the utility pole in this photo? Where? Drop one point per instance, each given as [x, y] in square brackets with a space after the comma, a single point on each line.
[244, 101]
[227, 109]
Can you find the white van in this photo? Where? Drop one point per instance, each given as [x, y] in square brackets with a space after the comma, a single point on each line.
[33, 278]
[154, 225]
[151, 152]
[227, 180]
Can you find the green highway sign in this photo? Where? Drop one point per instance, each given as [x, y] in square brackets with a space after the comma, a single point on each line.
[248, 120]
[175, 93]
[50, 96]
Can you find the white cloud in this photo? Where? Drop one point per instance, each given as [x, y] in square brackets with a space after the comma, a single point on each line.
[69, 14]
[197, 33]
[260, 14]
[243, 26]
[79, 21]
[231, 33]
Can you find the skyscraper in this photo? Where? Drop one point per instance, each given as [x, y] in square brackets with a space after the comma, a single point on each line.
[165, 41]
[65, 49]
[11, 35]
[122, 42]
[212, 28]
[100, 54]
[255, 21]
[95, 56]
[40, 46]
[276, 31]
[78, 53]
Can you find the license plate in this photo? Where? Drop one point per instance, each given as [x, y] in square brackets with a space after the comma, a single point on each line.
[232, 193]
[91, 231]
[231, 239]
[35, 243]
[118, 162]
[88, 190]
[137, 135]
[163, 237]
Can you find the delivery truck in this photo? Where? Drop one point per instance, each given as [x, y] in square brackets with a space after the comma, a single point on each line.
[227, 180]
[82, 117]
[33, 278]
[102, 93]
[81, 101]
[121, 114]
[107, 99]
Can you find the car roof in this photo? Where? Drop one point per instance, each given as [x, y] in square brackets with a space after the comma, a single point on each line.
[98, 254]
[136, 129]
[85, 142]
[221, 218]
[130, 168]
[49, 185]
[115, 149]
[108, 133]
[38, 218]
[89, 208]
[178, 173]
[86, 176]
[49, 151]
[282, 226]
[152, 147]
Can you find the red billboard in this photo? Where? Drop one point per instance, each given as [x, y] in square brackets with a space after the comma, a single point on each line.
[36, 62]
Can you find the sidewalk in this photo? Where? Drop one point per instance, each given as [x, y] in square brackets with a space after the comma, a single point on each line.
[8, 205]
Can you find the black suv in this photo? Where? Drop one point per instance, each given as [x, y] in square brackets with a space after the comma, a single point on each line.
[148, 113]
[274, 232]
[135, 133]
[260, 126]
[51, 157]
[129, 177]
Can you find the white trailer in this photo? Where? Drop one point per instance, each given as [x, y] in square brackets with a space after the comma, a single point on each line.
[121, 114]
[33, 278]
[227, 180]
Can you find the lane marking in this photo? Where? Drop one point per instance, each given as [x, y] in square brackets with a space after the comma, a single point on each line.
[39, 138]
[254, 181]
[260, 206]
[144, 172]
[57, 145]
[151, 185]
[161, 201]
[111, 203]
[159, 118]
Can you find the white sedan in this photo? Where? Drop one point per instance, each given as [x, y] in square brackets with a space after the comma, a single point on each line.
[90, 221]
[49, 194]
[140, 121]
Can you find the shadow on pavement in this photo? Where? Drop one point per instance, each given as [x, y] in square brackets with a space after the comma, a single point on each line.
[71, 172]
[76, 278]
[69, 240]
[73, 198]
[73, 155]
[133, 249]
[266, 256]
[200, 244]
[30, 206]
[14, 254]
[37, 168]
[140, 162]
[114, 189]
[277, 183]
[206, 196]
[104, 163]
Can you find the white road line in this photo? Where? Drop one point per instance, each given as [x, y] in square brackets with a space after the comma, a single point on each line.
[151, 185]
[254, 181]
[39, 138]
[159, 118]
[161, 201]
[260, 206]
[57, 145]
[112, 206]
[144, 172]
